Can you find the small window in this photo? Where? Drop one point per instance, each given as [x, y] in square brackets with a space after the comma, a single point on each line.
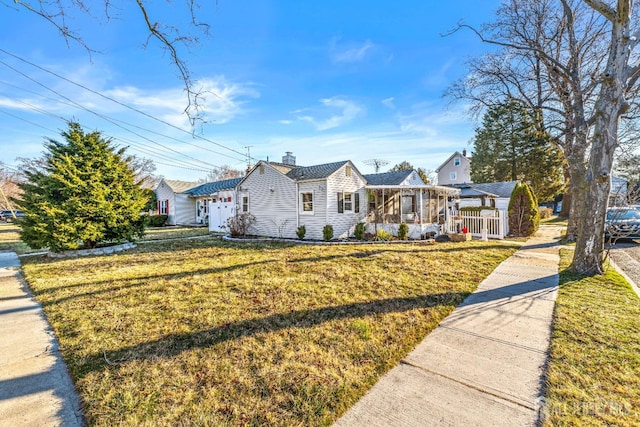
[245, 203]
[348, 170]
[307, 202]
[348, 201]
[345, 202]
[453, 176]
[356, 201]
[456, 161]
[164, 207]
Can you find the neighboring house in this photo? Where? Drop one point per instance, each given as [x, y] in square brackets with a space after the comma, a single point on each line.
[455, 170]
[215, 203]
[174, 202]
[494, 194]
[283, 196]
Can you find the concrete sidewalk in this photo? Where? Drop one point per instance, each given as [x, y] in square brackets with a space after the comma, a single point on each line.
[35, 387]
[484, 364]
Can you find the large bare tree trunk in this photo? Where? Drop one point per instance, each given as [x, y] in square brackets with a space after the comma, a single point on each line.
[610, 105]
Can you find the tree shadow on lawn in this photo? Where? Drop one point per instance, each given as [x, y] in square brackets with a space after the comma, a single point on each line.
[172, 345]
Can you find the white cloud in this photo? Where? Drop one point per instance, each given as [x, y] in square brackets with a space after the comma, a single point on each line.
[352, 52]
[429, 119]
[327, 117]
[388, 102]
[219, 100]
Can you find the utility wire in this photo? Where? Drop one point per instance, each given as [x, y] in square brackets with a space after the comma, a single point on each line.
[118, 120]
[119, 102]
[103, 116]
[178, 163]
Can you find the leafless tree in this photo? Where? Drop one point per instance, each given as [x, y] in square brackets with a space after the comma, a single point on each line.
[172, 38]
[9, 189]
[222, 173]
[564, 59]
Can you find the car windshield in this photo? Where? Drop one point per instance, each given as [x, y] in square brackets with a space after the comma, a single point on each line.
[623, 214]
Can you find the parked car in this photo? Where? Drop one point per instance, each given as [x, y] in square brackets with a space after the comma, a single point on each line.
[7, 216]
[623, 222]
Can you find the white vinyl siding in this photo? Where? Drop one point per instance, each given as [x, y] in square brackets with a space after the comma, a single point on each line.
[273, 202]
[344, 223]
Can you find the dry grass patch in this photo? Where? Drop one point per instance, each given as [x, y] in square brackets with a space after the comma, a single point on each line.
[166, 233]
[594, 368]
[202, 332]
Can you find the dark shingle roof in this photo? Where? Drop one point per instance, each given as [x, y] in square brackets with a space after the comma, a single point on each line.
[472, 192]
[213, 187]
[315, 172]
[500, 189]
[387, 178]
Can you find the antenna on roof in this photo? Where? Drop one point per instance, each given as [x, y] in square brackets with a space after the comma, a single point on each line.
[376, 163]
[248, 147]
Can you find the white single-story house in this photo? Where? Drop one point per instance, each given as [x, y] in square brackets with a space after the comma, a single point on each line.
[174, 202]
[215, 203]
[283, 197]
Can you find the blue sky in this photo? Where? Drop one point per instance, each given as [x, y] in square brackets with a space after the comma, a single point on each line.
[328, 81]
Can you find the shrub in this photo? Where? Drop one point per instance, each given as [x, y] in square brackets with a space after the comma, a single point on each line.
[524, 217]
[383, 235]
[301, 231]
[403, 231]
[545, 213]
[157, 220]
[327, 232]
[240, 224]
[359, 231]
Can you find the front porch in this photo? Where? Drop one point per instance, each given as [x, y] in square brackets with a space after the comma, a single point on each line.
[424, 208]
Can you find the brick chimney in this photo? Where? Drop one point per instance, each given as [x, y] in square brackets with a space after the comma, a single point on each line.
[289, 159]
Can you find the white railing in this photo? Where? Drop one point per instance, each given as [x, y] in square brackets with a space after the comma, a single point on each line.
[474, 223]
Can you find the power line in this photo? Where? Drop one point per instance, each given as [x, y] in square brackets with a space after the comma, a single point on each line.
[118, 120]
[119, 102]
[103, 116]
[181, 164]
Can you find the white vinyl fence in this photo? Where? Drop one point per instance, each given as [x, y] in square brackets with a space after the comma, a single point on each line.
[474, 222]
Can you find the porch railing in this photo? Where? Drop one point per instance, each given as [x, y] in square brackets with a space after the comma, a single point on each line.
[474, 224]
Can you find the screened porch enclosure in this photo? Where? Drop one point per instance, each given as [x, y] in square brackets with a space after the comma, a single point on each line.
[423, 208]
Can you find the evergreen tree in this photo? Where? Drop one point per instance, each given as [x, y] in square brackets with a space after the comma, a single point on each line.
[524, 216]
[82, 192]
[510, 147]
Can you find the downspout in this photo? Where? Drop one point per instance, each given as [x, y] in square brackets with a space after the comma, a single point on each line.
[297, 205]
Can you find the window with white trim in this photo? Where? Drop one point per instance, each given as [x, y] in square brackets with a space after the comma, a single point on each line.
[306, 203]
[453, 176]
[345, 202]
[163, 209]
[456, 161]
[245, 203]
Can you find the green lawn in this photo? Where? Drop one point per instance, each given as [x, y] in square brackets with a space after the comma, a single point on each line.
[594, 367]
[204, 332]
